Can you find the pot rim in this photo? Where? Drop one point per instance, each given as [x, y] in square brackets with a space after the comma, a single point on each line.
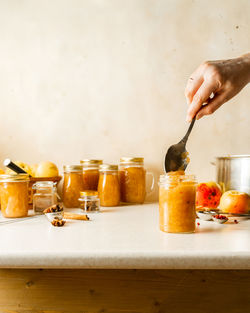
[236, 156]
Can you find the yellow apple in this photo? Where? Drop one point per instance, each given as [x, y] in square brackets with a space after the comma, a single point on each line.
[234, 201]
[46, 169]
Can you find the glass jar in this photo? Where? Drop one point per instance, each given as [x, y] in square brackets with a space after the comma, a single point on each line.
[45, 195]
[90, 173]
[177, 202]
[89, 201]
[14, 195]
[72, 185]
[109, 186]
[133, 180]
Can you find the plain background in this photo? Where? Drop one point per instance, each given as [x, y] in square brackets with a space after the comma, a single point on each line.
[106, 79]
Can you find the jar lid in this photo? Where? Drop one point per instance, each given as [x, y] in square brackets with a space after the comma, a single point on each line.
[108, 167]
[87, 193]
[91, 162]
[43, 184]
[72, 168]
[14, 178]
[131, 160]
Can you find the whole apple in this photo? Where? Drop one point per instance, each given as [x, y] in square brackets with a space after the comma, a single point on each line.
[234, 201]
[208, 195]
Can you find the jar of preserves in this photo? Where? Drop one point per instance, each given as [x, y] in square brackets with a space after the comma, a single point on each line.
[109, 185]
[90, 173]
[133, 180]
[89, 201]
[177, 202]
[45, 195]
[14, 195]
[72, 185]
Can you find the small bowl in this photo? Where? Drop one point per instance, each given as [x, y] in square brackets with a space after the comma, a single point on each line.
[220, 221]
[52, 215]
[204, 215]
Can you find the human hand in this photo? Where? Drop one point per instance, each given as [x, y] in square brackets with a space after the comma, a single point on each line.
[214, 83]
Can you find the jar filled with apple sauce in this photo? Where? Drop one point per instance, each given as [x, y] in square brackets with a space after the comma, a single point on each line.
[72, 185]
[133, 180]
[109, 185]
[90, 173]
[177, 202]
[14, 195]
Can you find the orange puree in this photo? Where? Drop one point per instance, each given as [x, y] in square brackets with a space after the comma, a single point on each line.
[133, 184]
[14, 196]
[90, 179]
[177, 203]
[109, 186]
[72, 185]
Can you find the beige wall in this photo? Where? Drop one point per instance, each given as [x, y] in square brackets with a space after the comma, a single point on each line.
[105, 79]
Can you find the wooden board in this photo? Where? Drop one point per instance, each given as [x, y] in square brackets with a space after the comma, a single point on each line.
[124, 291]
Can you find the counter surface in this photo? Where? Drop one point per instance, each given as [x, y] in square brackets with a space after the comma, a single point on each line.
[123, 237]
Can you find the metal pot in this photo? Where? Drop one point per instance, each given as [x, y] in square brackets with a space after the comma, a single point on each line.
[233, 172]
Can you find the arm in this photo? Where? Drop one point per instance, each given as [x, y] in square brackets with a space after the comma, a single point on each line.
[224, 79]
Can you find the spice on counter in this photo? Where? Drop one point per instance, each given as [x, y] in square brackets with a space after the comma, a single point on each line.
[220, 217]
[57, 222]
[74, 216]
[54, 208]
[198, 224]
[236, 222]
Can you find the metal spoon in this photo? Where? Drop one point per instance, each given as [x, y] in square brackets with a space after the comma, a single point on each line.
[176, 158]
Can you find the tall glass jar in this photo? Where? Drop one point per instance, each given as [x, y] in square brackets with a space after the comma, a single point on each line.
[109, 185]
[72, 185]
[133, 180]
[177, 202]
[14, 195]
[45, 195]
[90, 173]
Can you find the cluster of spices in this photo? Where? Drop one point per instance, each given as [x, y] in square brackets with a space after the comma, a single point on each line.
[58, 222]
[54, 208]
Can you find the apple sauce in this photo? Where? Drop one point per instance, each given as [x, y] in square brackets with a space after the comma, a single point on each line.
[14, 195]
[109, 185]
[132, 180]
[90, 173]
[177, 202]
[72, 185]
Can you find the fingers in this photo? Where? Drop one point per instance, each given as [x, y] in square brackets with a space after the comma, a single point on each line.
[212, 106]
[201, 96]
[193, 85]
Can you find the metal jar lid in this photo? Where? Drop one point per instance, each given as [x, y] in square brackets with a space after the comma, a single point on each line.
[14, 178]
[72, 168]
[88, 193]
[91, 162]
[108, 167]
[131, 160]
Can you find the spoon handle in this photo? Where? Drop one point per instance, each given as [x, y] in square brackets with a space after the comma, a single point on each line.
[185, 138]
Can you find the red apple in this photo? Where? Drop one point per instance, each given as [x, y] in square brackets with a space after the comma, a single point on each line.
[233, 201]
[208, 195]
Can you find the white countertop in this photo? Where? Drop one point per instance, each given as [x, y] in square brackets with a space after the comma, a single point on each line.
[123, 237]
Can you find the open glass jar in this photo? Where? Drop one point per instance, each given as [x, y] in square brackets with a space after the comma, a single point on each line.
[14, 195]
[177, 202]
[90, 170]
[89, 201]
[45, 195]
[109, 185]
[133, 180]
[72, 185]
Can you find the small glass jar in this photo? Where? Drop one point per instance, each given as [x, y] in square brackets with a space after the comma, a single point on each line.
[90, 173]
[14, 195]
[89, 201]
[45, 195]
[109, 185]
[72, 185]
[133, 180]
[177, 202]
